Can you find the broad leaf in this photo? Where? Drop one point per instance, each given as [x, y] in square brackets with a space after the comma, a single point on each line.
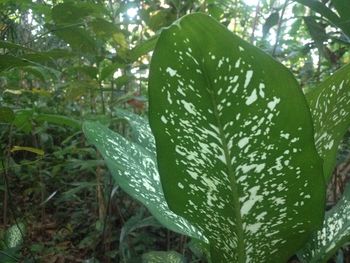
[233, 132]
[135, 170]
[323, 10]
[330, 108]
[335, 232]
[343, 8]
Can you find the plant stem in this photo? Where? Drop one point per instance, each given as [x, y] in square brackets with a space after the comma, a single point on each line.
[279, 26]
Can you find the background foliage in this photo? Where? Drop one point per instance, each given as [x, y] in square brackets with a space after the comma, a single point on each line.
[62, 62]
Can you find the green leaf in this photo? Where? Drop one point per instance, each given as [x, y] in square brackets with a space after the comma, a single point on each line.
[335, 232]
[141, 132]
[58, 119]
[317, 32]
[108, 70]
[13, 236]
[134, 223]
[28, 149]
[162, 257]
[6, 115]
[323, 10]
[9, 61]
[230, 154]
[78, 38]
[72, 12]
[135, 170]
[10, 45]
[23, 120]
[330, 109]
[143, 48]
[343, 8]
[51, 55]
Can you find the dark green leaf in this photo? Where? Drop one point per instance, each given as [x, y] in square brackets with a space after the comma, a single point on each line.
[6, 115]
[343, 8]
[271, 21]
[9, 61]
[74, 11]
[23, 120]
[79, 39]
[9, 45]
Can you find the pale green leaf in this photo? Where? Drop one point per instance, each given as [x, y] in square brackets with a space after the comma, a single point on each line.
[141, 132]
[233, 132]
[135, 170]
[28, 149]
[13, 236]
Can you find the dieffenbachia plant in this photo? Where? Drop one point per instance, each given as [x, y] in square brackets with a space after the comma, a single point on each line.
[233, 131]
[235, 147]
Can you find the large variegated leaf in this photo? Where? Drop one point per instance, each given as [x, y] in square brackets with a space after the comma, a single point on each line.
[335, 232]
[135, 170]
[235, 144]
[330, 109]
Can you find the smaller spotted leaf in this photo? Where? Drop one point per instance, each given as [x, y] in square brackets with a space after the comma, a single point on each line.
[13, 236]
[162, 257]
[330, 109]
[134, 168]
[335, 232]
[233, 133]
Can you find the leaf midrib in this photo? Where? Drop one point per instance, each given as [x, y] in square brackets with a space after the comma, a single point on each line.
[230, 171]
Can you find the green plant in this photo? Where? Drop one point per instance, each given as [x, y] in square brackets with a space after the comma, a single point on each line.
[237, 148]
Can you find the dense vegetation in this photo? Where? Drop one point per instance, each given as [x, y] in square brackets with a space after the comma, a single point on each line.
[65, 63]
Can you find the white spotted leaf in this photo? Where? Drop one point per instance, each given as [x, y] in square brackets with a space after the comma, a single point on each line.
[162, 257]
[330, 109]
[141, 132]
[135, 170]
[335, 232]
[233, 133]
